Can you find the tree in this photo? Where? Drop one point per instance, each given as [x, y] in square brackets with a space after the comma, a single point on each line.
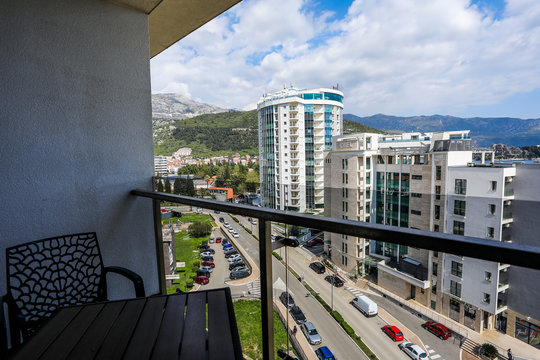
[190, 187]
[199, 229]
[167, 185]
[207, 180]
[294, 231]
[179, 185]
[159, 185]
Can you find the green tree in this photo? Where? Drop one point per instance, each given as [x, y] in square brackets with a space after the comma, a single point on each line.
[167, 185]
[207, 180]
[294, 231]
[159, 185]
[190, 187]
[199, 229]
[179, 185]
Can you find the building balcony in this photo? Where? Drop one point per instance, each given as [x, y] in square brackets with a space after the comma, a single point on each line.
[409, 270]
[508, 193]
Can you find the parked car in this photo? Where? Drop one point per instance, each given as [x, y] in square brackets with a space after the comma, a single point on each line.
[225, 241]
[207, 258]
[212, 240]
[311, 333]
[208, 263]
[218, 240]
[414, 351]
[236, 260]
[227, 247]
[242, 267]
[200, 279]
[394, 333]
[286, 299]
[203, 246]
[233, 257]
[230, 253]
[314, 242]
[221, 219]
[324, 353]
[366, 306]
[298, 315]
[438, 329]
[236, 264]
[253, 221]
[334, 280]
[226, 224]
[206, 268]
[235, 235]
[207, 253]
[202, 272]
[211, 251]
[239, 274]
[318, 267]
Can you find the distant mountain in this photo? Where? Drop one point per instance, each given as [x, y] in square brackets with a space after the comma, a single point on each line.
[169, 107]
[484, 131]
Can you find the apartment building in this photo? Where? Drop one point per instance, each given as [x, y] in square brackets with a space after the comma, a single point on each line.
[429, 182]
[160, 165]
[295, 130]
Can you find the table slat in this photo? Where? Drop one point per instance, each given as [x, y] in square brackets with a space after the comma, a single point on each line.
[92, 340]
[143, 339]
[72, 333]
[220, 343]
[43, 339]
[118, 337]
[168, 341]
[193, 346]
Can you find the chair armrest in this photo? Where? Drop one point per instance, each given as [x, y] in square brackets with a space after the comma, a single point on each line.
[134, 277]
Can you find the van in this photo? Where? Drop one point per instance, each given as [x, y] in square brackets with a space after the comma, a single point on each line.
[366, 306]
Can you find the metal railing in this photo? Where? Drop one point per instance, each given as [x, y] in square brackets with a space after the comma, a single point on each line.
[508, 253]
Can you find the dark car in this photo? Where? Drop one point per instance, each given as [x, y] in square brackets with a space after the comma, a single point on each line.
[208, 263]
[334, 280]
[314, 242]
[207, 258]
[201, 272]
[203, 246]
[438, 329]
[298, 315]
[201, 280]
[221, 219]
[236, 264]
[239, 274]
[211, 251]
[318, 267]
[286, 299]
[228, 254]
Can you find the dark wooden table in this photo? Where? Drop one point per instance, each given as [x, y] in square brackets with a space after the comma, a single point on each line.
[198, 325]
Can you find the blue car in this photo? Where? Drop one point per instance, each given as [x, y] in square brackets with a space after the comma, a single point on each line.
[227, 246]
[324, 353]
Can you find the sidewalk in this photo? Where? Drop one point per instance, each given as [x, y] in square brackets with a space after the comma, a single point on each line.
[504, 342]
[300, 342]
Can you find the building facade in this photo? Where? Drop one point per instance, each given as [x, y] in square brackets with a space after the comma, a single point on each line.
[429, 182]
[295, 130]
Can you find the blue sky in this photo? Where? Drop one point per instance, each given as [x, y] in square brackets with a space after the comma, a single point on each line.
[399, 57]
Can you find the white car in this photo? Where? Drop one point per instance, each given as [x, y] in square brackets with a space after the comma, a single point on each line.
[206, 268]
[234, 258]
[206, 253]
[211, 240]
[414, 351]
[235, 234]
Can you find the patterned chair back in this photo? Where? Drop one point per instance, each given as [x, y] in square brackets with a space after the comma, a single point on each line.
[51, 273]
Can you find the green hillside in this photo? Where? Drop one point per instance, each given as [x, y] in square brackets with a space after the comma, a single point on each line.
[219, 134]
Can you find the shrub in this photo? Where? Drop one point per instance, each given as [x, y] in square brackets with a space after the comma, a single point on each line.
[489, 350]
[196, 263]
[199, 229]
[189, 283]
[194, 269]
[276, 255]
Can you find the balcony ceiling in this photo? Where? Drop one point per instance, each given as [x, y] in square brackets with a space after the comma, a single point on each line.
[171, 20]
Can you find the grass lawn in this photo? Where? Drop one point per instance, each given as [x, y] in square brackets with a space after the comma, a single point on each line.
[248, 319]
[186, 248]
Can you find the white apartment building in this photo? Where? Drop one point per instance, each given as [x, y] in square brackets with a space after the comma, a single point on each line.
[429, 182]
[295, 130]
[160, 165]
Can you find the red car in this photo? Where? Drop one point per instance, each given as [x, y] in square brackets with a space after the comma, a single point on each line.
[201, 279]
[314, 242]
[394, 333]
[208, 263]
[218, 240]
[438, 329]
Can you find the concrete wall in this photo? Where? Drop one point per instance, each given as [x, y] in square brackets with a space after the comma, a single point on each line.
[76, 129]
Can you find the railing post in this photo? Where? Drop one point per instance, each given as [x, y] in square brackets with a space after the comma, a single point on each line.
[156, 209]
[267, 305]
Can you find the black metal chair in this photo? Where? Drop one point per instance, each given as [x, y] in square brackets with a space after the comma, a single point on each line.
[48, 274]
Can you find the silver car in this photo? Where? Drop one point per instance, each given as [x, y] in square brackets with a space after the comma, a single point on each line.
[311, 333]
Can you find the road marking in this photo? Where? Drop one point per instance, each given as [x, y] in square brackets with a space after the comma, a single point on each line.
[255, 287]
[431, 351]
[435, 357]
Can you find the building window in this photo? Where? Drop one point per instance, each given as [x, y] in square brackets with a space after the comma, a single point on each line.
[416, 177]
[434, 289]
[493, 185]
[455, 288]
[368, 163]
[492, 208]
[435, 269]
[457, 269]
[459, 207]
[416, 195]
[433, 305]
[437, 212]
[486, 298]
[438, 172]
[459, 228]
[416, 212]
[487, 276]
[461, 186]
[436, 227]
[435, 254]
[346, 178]
[437, 192]
[490, 232]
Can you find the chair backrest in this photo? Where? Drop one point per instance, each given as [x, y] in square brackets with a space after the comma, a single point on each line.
[47, 274]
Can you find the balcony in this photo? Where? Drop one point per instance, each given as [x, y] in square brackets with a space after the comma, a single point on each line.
[508, 192]
[409, 270]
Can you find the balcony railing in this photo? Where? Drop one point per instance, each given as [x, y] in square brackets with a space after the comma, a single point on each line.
[508, 253]
[508, 192]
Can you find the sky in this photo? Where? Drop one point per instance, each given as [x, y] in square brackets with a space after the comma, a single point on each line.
[397, 57]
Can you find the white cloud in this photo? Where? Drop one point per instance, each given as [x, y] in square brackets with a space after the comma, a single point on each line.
[389, 56]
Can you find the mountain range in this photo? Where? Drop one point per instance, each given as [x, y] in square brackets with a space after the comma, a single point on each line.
[169, 107]
[484, 131]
